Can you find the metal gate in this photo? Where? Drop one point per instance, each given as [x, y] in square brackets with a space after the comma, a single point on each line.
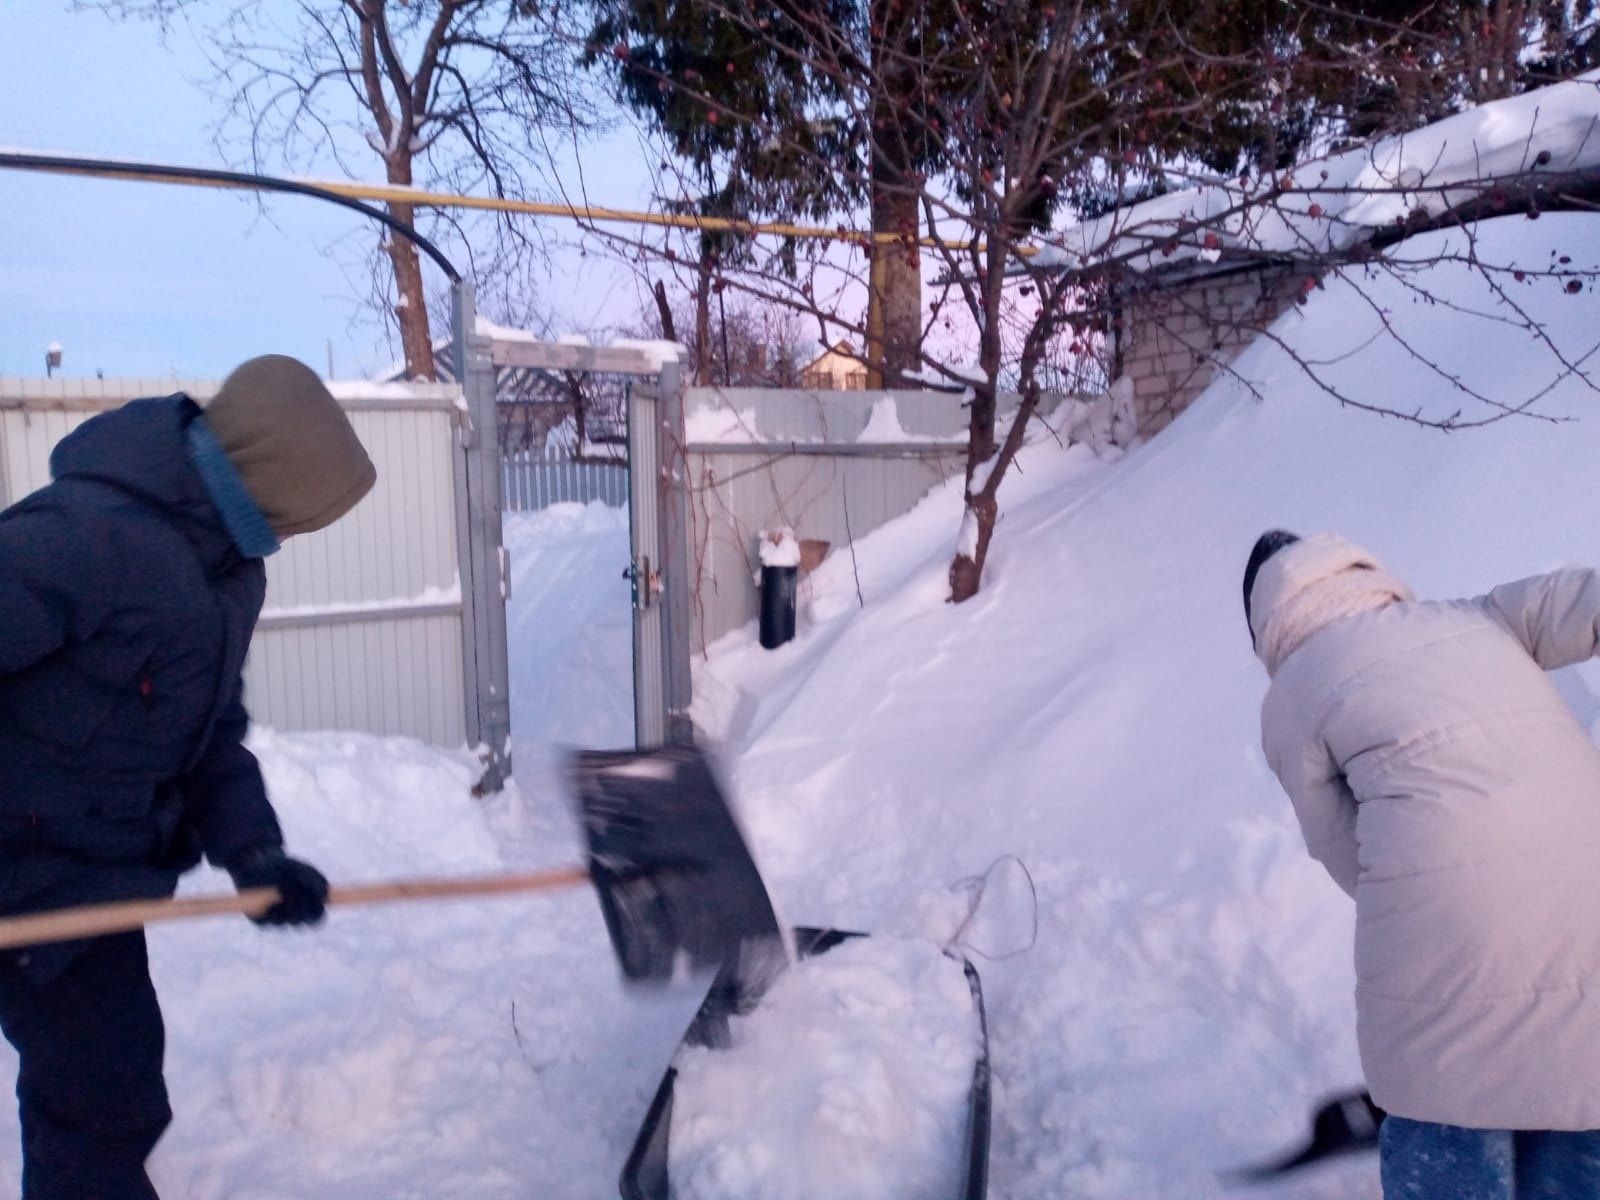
[658, 531]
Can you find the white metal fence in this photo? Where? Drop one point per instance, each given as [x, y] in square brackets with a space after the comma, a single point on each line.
[362, 627]
[833, 466]
[531, 480]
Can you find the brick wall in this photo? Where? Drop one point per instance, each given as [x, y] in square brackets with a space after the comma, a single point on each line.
[1174, 337]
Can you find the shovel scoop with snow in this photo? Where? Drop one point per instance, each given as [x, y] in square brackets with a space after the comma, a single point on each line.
[677, 885]
[676, 882]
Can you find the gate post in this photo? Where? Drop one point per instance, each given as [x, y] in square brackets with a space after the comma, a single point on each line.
[678, 567]
[481, 555]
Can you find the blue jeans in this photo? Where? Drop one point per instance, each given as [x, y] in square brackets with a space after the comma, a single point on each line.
[1424, 1161]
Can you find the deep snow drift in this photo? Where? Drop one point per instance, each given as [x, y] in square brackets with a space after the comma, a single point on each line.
[852, 1079]
[1094, 711]
[1186, 994]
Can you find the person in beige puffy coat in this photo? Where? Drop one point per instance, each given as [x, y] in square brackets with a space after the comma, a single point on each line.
[1441, 779]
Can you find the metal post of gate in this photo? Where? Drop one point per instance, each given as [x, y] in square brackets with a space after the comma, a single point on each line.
[678, 570]
[483, 565]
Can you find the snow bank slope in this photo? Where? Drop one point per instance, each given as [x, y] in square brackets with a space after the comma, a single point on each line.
[1094, 712]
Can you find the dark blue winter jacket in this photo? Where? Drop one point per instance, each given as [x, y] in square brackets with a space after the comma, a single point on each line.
[126, 609]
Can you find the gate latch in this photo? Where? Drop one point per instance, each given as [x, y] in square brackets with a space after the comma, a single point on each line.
[645, 580]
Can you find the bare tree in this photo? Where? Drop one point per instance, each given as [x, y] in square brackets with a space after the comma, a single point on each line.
[454, 95]
[747, 343]
[1019, 110]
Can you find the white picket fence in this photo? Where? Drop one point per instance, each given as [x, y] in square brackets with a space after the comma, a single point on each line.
[532, 480]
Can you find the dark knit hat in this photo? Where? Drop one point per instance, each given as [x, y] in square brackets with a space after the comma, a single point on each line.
[1266, 546]
[291, 443]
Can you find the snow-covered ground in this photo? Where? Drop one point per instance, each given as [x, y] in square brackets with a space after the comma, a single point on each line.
[1187, 992]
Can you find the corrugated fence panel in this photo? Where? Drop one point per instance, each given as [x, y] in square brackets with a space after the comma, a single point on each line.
[394, 677]
[532, 480]
[362, 624]
[761, 457]
[398, 543]
[736, 496]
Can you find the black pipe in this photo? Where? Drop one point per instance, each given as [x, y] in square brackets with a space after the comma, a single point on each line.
[244, 179]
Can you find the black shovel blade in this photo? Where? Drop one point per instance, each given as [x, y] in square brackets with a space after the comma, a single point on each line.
[677, 885]
[1346, 1124]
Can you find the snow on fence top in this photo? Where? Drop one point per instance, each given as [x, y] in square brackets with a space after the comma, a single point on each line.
[1327, 205]
[573, 352]
[76, 393]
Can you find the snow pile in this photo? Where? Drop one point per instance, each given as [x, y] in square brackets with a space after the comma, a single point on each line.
[1330, 204]
[1107, 420]
[657, 353]
[1095, 711]
[779, 548]
[711, 425]
[397, 392]
[429, 597]
[851, 1079]
[883, 423]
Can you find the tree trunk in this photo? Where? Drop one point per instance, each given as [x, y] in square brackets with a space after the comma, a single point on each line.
[412, 308]
[894, 293]
[894, 306]
[977, 528]
[669, 328]
[986, 463]
[983, 506]
[702, 325]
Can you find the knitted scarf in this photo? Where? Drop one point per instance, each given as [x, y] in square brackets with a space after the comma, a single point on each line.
[1308, 586]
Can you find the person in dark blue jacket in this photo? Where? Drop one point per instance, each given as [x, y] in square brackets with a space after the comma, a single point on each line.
[129, 590]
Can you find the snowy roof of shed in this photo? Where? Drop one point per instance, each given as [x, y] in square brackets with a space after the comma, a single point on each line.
[1322, 208]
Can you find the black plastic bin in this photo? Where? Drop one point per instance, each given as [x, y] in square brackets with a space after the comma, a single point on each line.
[780, 589]
[644, 1176]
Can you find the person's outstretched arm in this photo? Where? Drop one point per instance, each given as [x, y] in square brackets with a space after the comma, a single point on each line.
[1556, 617]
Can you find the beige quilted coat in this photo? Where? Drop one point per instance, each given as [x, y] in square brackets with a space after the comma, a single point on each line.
[1444, 783]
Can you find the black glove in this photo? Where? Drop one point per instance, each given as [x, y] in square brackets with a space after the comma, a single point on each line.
[303, 890]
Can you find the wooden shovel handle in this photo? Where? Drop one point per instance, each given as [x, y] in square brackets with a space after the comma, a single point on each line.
[91, 920]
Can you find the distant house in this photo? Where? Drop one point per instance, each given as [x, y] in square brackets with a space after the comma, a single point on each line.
[837, 369]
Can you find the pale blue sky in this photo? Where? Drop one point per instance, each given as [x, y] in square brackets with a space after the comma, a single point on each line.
[148, 279]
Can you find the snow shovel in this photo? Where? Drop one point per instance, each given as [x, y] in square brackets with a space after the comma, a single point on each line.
[678, 888]
[1346, 1124]
[676, 882]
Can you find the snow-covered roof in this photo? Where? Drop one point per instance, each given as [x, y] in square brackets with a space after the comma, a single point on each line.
[1324, 207]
